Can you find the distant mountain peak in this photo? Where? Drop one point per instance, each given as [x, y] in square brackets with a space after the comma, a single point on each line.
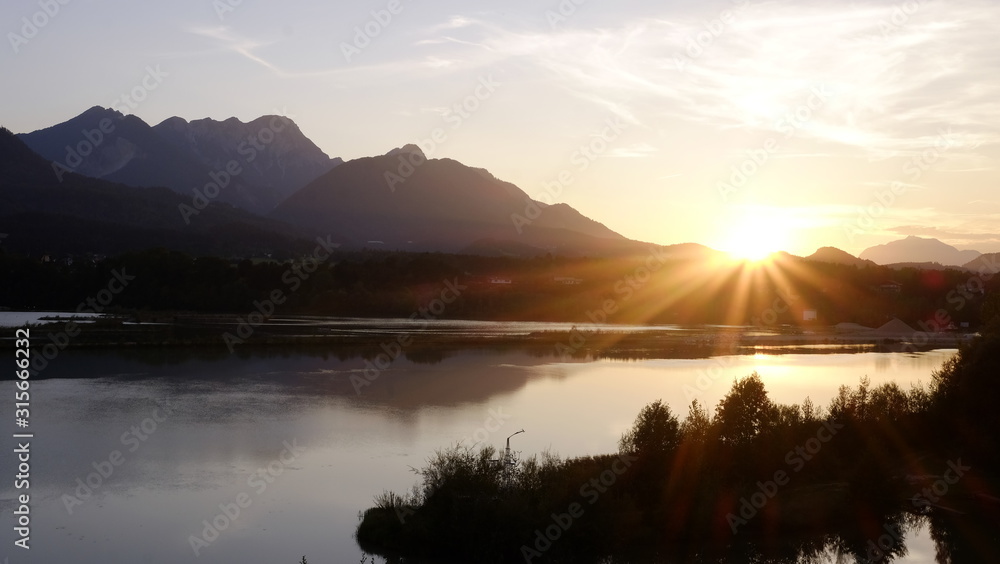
[409, 148]
[915, 249]
[174, 121]
[836, 256]
[100, 111]
[273, 159]
[443, 205]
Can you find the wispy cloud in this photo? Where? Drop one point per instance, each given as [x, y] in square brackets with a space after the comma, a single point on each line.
[638, 150]
[231, 41]
[892, 84]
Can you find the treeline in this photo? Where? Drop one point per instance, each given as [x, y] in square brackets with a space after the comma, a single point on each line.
[657, 288]
[753, 481]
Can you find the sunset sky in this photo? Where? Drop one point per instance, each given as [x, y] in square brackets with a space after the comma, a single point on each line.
[853, 123]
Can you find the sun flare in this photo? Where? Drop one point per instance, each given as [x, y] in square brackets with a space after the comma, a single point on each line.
[755, 236]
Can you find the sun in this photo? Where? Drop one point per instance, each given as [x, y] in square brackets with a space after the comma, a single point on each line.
[754, 236]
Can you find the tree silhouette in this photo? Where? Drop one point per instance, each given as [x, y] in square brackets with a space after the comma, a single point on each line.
[746, 412]
[656, 432]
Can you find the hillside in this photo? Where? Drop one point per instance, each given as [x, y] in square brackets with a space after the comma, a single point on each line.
[270, 155]
[42, 214]
[441, 205]
[918, 250]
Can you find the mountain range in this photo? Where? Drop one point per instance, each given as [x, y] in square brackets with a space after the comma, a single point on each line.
[107, 182]
[272, 155]
[912, 252]
[75, 214]
[402, 200]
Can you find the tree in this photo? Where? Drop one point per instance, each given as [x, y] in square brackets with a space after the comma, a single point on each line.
[697, 424]
[746, 412]
[656, 432]
[990, 309]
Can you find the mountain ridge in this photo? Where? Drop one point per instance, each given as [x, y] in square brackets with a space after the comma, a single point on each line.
[272, 155]
[404, 201]
[917, 250]
[79, 214]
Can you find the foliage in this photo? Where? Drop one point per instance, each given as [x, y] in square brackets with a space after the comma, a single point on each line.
[746, 412]
[686, 481]
[655, 432]
[697, 424]
[389, 284]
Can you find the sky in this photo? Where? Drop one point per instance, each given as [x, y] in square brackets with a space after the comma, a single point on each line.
[742, 125]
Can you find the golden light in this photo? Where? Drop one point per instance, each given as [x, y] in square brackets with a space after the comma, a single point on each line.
[754, 234]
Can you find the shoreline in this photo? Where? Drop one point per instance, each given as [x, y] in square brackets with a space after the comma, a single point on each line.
[145, 330]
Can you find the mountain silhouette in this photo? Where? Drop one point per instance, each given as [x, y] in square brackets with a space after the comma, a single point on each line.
[987, 264]
[836, 256]
[276, 158]
[272, 156]
[402, 200]
[918, 250]
[42, 213]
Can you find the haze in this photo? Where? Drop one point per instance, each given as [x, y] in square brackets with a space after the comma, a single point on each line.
[855, 124]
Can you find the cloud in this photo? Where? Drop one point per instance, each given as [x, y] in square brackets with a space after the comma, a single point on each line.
[235, 43]
[637, 150]
[938, 233]
[893, 79]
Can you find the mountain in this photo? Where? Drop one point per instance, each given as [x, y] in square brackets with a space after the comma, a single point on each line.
[43, 213]
[259, 163]
[836, 256]
[986, 264]
[402, 200]
[918, 250]
[276, 158]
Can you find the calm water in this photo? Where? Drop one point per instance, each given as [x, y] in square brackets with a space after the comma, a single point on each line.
[235, 415]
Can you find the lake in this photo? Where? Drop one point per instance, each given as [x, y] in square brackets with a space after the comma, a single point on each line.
[303, 449]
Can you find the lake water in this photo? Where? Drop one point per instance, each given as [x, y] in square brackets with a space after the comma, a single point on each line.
[330, 447]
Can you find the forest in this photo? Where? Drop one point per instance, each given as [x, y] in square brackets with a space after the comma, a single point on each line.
[655, 288]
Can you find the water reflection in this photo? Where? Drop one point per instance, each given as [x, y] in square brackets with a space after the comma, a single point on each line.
[231, 415]
[899, 537]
